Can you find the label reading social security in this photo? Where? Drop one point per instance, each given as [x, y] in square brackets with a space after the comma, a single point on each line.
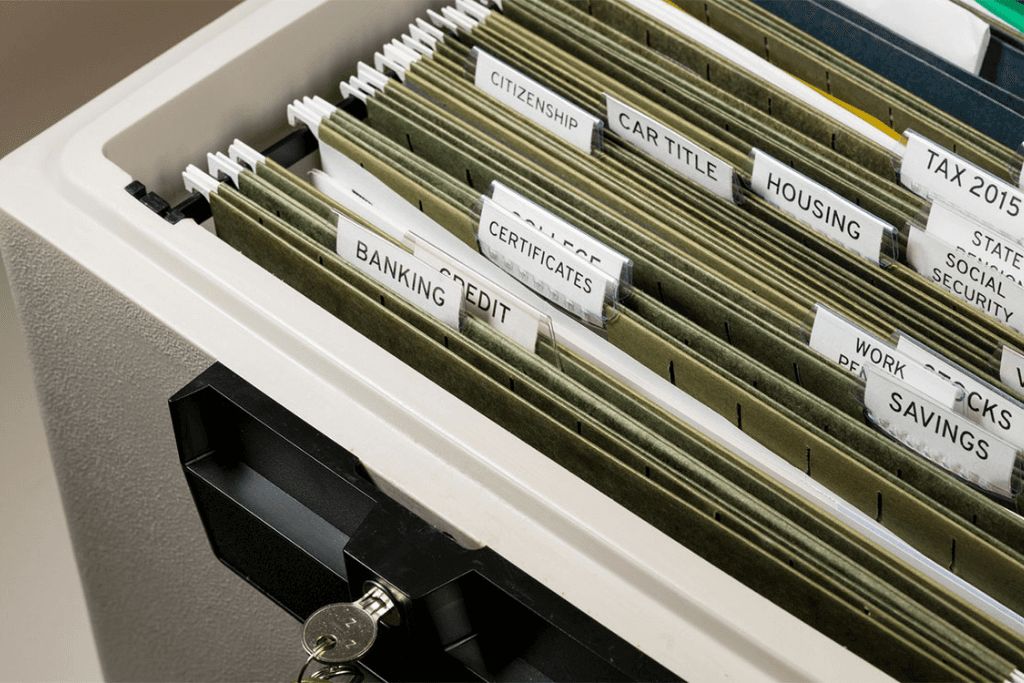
[818, 207]
[933, 172]
[537, 103]
[669, 147]
[985, 244]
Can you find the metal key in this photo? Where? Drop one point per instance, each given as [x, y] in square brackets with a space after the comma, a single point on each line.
[350, 626]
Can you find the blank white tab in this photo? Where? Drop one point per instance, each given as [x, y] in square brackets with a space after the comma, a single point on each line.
[939, 26]
[818, 207]
[934, 172]
[401, 272]
[495, 305]
[669, 147]
[857, 350]
[536, 102]
[606, 259]
[967, 277]
[952, 441]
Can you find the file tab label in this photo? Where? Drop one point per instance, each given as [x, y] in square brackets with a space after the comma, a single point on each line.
[818, 207]
[1011, 369]
[857, 350]
[541, 263]
[934, 172]
[961, 232]
[401, 272]
[536, 102]
[669, 147]
[947, 439]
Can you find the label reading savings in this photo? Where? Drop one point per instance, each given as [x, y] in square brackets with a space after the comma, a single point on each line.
[531, 99]
[401, 272]
[541, 263]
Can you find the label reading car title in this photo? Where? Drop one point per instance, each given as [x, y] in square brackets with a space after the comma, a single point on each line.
[544, 265]
[669, 147]
[401, 272]
[967, 277]
[818, 207]
[534, 101]
[856, 350]
[950, 440]
[934, 172]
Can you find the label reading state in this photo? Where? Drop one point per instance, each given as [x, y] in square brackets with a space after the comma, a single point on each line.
[937, 433]
[501, 310]
[967, 277]
[541, 263]
[818, 207]
[607, 260]
[983, 403]
[933, 171]
[669, 147]
[1011, 369]
[855, 349]
[984, 244]
[537, 103]
[401, 272]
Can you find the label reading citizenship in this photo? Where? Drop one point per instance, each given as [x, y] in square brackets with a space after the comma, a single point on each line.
[606, 259]
[669, 147]
[942, 436]
[933, 171]
[401, 272]
[980, 285]
[984, 244]
[534, 101]
[983, 403]
[541, 263]
[856, 349]
[818, 207]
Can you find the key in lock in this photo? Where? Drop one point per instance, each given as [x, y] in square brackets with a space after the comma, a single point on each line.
[345, 631]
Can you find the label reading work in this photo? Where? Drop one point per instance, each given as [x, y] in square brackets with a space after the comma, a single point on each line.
[536, 102]
[401, 272]
[818, 207]
[933, 171]
[1011, 369]
[967, 277]
[607, 260]
[541, 263]
[942, 436]
[984, 244]
[669, 147]
[495, 305]
[856, 350]
[983, 403]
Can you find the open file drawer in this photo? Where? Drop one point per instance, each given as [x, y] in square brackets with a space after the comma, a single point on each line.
[121, 309]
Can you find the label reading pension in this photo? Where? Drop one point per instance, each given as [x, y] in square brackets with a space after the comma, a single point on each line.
[856, 349]
[606, 259]
[401, 272]
[541, 263]
[818, 207]
[948, 439]
[967, 277]
[983, 403]
[1011, 369]
[933, 171]
[984, 244]
[500, 309]
[537, 103]
[669, 147]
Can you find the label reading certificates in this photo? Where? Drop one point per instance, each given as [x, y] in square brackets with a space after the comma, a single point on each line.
[942, 436]
[967, 277]
[541, 263]
[667, 146]
[500, 309]
[933, 171]
[401, 272]
[855, 349]
[537, 103]
[818, 207]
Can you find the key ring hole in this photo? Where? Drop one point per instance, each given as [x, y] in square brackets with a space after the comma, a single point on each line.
[324, 643]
